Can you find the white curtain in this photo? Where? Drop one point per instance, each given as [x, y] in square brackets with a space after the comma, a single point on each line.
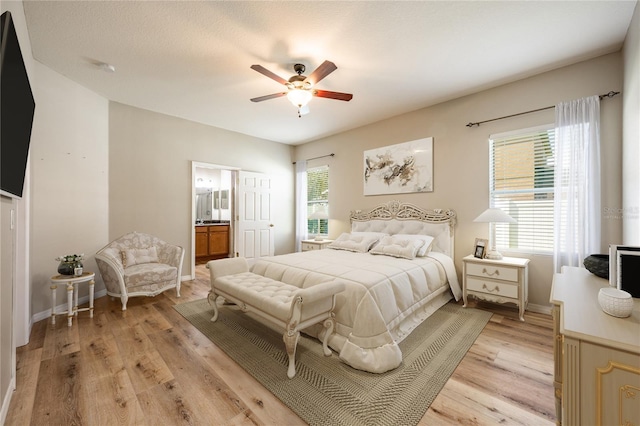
[577, 182]
[301, 203]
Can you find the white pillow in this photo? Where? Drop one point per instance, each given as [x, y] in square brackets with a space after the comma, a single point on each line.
[395, 246]
[428, 242]
[132, 257]
[357, 243]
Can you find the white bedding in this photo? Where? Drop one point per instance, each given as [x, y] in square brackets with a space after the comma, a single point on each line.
[384, 300]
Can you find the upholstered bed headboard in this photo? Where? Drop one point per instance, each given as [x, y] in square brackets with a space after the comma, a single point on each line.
[404, 218]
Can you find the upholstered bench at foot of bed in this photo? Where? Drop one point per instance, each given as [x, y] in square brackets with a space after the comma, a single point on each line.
[285, 305]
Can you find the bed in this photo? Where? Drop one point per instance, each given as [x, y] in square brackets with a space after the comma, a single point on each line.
[388, 291]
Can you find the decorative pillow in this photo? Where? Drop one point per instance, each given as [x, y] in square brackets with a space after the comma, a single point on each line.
[398, 247]
[428, 242]
[132, 257]
[357, 243]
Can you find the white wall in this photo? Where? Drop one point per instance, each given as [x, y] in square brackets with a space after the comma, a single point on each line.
[461, 154]
[150, 174]
[631, 136]
[69, 179]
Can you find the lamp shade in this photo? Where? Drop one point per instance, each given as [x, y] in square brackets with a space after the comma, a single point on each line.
[494, 215]
[319, 214]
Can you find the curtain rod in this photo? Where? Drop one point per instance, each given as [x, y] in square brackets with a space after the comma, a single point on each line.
[315, 158]
[607, 95]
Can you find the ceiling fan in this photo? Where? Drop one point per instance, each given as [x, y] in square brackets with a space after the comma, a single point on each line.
[300, 88]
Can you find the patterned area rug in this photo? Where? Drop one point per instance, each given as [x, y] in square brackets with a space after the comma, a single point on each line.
[325, 391]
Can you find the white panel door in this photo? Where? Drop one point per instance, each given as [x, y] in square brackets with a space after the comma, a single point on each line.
[255, 237]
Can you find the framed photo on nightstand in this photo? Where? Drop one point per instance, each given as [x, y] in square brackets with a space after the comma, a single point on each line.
[480, 248]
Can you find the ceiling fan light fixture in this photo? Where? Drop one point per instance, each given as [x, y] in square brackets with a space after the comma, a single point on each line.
[299, 97]
[300, 88]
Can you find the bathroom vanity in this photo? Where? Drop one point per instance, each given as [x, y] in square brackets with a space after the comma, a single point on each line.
[212, 240]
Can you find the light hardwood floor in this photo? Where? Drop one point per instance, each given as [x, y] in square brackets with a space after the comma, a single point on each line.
[150, 366]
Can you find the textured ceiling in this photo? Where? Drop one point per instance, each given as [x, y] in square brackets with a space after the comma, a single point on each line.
[192, 59]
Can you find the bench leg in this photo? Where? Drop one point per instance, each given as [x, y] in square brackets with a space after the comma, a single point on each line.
[329, 323]
[291, 342]
[212, 301]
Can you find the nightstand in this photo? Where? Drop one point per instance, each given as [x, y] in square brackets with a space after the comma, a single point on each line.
[308, 245]
[498, 281]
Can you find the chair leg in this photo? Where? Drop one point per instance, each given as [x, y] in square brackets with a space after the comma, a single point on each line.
[291, 342]
[178, 289]
[124, 298]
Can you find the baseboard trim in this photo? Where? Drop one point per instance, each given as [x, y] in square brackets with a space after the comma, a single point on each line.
[541, 309]
[46, 314]
[7, 399]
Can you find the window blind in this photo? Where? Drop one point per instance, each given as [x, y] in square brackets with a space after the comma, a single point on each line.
[522, 185]
[318, 200]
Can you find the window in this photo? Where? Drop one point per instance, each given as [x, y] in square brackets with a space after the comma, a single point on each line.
[318, 201]
[522, 185]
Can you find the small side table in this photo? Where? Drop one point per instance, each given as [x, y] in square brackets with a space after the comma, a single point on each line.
[71, 282]
[308, 245]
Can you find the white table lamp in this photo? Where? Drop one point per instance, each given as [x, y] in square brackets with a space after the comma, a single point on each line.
[491, 216]
[319, 214]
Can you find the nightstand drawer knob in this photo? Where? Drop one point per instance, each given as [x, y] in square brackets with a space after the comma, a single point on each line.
[495, 273]
[496, 288]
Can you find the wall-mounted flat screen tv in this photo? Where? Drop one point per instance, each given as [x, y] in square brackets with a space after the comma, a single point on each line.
[16, 112]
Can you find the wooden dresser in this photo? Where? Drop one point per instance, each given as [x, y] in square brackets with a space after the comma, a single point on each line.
[596, 356]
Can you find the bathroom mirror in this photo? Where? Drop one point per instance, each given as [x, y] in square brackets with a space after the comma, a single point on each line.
[204, 204]
[213, 194]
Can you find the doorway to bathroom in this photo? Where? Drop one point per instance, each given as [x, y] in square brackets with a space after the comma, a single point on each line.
[213, 208]
[231, 214]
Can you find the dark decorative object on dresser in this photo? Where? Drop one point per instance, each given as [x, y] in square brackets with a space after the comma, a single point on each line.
[598, 264]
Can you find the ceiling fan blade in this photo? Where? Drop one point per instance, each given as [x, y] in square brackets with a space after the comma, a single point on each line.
[264, 71]
[325, 68]
[267, 97]
[333, 95]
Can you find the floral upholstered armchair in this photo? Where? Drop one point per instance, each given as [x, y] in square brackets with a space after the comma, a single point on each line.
[138, 264]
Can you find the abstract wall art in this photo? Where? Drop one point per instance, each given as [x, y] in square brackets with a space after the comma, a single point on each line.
[401, 168]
